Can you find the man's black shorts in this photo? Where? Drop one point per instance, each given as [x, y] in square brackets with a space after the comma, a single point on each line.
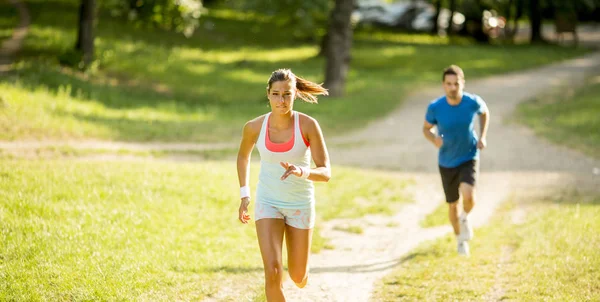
[452, 177]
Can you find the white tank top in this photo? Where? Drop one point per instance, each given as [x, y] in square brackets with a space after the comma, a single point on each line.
[293, 192]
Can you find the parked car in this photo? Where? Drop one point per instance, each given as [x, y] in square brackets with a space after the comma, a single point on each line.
[424, 21]
[404, 15]
[379, 13]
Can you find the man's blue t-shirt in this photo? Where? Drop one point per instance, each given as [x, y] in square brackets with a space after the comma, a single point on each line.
[455, 126]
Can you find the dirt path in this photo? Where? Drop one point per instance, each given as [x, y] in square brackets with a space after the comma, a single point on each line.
[515, 160]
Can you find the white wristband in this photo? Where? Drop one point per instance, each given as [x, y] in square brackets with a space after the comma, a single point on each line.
[305, 172]
[244, 192]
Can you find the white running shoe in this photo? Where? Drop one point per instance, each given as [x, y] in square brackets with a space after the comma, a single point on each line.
[463, 248]
[466, 232]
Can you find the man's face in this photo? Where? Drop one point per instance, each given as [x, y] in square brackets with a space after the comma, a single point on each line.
[453, 86]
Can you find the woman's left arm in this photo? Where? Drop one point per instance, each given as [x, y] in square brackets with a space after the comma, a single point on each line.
[322, 171]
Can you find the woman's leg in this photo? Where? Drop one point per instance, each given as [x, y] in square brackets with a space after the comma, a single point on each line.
[298, 243]
[270, 239]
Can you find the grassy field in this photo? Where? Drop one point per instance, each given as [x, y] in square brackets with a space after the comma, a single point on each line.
[155, 85]
[552, 255]
[146, 230]
[568, 117]
[436, 218]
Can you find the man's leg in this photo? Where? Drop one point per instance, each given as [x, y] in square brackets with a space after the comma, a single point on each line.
[450, 181]
[468, 178]
[453, 215]
[467, 191]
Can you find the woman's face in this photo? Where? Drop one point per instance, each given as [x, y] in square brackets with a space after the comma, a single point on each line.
[281, 96]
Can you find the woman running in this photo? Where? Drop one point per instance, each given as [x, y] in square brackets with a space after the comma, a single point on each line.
[285, 196]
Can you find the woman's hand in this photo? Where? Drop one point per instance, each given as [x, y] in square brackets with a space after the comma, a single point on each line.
[290, 169]
[244, 217]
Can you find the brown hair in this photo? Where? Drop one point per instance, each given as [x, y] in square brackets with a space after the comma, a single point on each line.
[454, 70]
[306, 89]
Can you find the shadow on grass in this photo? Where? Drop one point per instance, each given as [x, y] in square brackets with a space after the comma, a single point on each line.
[233, 269]
[367, 268]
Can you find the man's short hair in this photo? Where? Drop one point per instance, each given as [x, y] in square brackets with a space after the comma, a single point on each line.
[454, 70]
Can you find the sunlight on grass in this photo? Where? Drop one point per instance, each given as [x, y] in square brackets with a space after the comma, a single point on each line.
[47, 37]
[566, 267]
[302, 52]
[8, 21]
[399, 37]
[115, 230]
[239, 15]
[483, 63]
[248, 76]
[436, 218]
[567, 117]
[63, 116]
[200, 69]
[396, 51]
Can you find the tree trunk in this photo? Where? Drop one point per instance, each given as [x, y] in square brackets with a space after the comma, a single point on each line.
[449, 30]
[85, 35]
[438, 7]
[338, 47]
[477, 21]
[323, 45]
[508, 15]
[518, 15]
[535, 17]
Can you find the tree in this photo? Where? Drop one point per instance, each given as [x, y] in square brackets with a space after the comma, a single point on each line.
[339, 43]
[85, 33]
[473, 11]
[450, 30]
[438, 8]
[177, 15]
[307, 18]
[535, 17]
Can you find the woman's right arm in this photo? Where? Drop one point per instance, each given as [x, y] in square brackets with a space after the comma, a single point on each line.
[249, 136]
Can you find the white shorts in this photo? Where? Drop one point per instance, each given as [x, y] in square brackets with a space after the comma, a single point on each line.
[297, 218]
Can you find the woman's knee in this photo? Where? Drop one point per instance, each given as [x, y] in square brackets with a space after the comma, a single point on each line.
[273, 273]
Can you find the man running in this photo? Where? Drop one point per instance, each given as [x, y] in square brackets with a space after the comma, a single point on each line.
[453, 115]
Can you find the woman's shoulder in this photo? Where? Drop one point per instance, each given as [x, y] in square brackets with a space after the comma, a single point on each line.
[255, 124]
[306, 119]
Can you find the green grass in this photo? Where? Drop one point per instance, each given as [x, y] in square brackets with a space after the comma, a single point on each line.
[436, 218]
[354, 229]
[64, 152]
[552, 256]
[148, 230]
[567, 117]
[154, 85]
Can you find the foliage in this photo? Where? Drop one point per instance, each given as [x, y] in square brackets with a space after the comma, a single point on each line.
[307, 18]
[179, 15]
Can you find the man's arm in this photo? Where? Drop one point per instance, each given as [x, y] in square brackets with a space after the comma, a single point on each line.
[430, 136]
[484, 122]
